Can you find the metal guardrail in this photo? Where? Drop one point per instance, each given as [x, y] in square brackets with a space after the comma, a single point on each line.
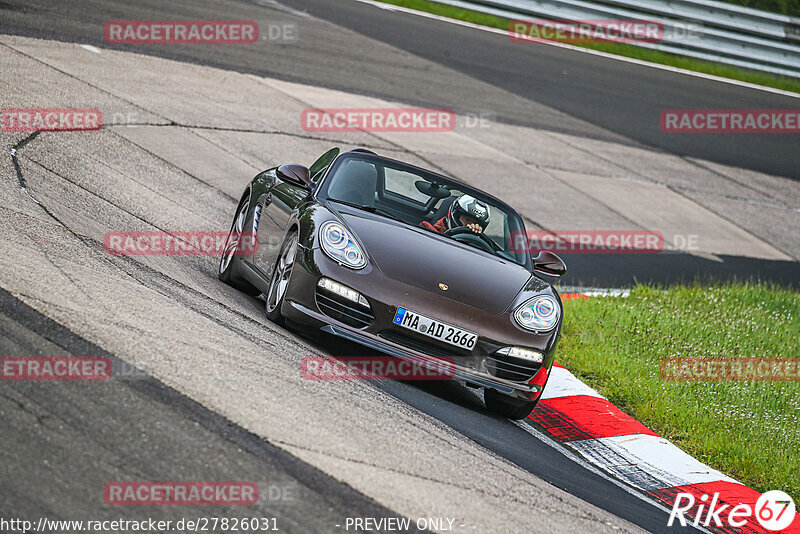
[703, 29]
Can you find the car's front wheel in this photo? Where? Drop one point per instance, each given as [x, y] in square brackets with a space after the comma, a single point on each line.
[280, 278]
[507, 406]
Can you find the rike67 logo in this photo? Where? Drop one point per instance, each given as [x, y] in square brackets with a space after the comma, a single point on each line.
[774, 511]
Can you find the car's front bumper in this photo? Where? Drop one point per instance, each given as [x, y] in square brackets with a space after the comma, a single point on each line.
[528, 391]
[301, 307]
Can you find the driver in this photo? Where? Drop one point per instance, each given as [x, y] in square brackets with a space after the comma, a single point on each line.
[465, 211]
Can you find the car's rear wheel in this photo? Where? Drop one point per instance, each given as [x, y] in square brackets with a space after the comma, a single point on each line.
[280, 278]
[507, 406]
[232, 245]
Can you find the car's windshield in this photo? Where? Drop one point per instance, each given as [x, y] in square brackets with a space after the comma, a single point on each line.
[420, 199]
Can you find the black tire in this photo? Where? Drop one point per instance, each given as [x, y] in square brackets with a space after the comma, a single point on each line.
[506, 406]
[281, 274]
[232, 243]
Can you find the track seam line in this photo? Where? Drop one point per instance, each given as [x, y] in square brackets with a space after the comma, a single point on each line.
[92, 243]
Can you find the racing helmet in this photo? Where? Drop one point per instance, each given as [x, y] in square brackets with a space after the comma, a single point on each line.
[470, 206]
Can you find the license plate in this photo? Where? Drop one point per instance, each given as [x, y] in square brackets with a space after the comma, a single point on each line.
[436, 329]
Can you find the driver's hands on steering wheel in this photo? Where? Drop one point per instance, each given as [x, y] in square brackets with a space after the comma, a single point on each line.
[475, 227]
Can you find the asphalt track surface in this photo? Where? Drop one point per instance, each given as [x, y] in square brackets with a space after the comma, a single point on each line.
[601, 97]
[558, 90]
[213, 344]
[620, 97]
[138, 428]
[148, 407]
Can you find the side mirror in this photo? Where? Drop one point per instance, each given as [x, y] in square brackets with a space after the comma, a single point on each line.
[296, 174]
[548, 263]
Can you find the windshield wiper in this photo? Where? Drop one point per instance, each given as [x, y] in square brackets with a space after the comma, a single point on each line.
[371, 209]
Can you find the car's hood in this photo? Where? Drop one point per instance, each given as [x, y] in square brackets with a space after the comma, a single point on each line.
[425, 260]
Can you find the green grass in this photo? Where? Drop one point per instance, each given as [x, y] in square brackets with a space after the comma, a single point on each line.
[621, 49]
[749, 430]
[784, 7]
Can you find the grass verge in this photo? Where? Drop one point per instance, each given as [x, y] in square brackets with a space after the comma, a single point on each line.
[784, 7]
[748, 430]
[620, 49]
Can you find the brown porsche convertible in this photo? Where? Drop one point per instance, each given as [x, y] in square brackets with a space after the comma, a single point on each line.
[404, 261]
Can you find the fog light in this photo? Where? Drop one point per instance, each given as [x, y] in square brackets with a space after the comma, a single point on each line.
[523, 354]
[343, 291]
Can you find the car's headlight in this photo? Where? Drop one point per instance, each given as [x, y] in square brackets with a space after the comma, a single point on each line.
[340, 246]
[539, 314]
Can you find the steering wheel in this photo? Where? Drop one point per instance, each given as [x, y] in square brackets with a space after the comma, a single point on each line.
[464, 234]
